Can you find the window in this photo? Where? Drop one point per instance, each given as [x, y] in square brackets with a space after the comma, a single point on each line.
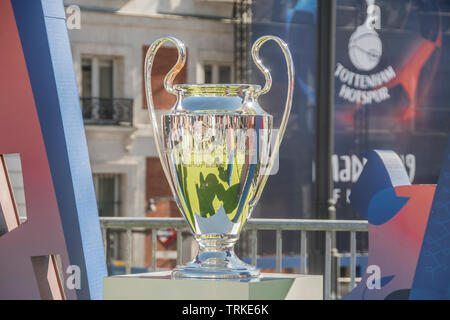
[97, 87]
[86, 65]
[105, 78]
[208, 73]
[109, 203]
[97, 78]
[108, 192]
[217, 73]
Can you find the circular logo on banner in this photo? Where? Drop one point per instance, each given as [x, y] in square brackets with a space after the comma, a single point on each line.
[373, 64]
[365, 48]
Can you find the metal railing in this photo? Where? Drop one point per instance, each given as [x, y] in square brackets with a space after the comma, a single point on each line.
[102, 111]
[253, 225]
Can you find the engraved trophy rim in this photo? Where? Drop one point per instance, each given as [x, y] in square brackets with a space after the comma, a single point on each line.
[218, 89]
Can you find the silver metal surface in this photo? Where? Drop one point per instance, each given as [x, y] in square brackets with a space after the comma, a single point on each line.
[168, 81]
[215, 149]
[290, 93]
[216, 163]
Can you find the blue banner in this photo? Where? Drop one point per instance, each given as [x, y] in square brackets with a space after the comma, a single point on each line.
[391, 92]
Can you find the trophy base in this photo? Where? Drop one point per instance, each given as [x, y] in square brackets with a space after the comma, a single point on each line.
[216, 260]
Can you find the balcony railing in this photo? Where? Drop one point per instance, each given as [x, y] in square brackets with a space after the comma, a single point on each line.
[103, 111]
[130, 225]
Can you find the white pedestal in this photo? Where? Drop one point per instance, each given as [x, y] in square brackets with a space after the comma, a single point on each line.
[159, 286]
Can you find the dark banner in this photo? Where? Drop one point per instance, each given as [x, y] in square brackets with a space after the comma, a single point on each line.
[391, 92]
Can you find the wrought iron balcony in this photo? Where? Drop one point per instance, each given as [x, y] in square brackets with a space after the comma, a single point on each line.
[101, 111]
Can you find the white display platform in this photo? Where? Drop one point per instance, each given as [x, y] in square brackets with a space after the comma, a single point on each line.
[159, 286]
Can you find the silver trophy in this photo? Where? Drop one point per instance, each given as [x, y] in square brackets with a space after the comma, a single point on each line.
[217, 147]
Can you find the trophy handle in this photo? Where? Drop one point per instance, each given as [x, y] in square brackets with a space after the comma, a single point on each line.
[287, 110]
[168, 85]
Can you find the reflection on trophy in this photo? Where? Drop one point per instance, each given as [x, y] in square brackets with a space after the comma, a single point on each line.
[217, 147]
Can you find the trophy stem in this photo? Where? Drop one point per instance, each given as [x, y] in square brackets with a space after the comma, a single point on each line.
[216, 260]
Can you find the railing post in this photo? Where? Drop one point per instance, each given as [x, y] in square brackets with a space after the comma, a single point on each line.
[179, 246]
[95, 111]
[327, 265]
[129, 251]
[303, 246]
[153, 250]
[279, 250]
[105, 242]
[352, 259]
[107, 251]
[254, 253]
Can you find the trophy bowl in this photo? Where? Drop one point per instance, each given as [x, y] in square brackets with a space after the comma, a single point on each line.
[217, 147]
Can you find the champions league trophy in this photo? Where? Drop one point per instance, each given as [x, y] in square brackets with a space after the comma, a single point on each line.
[216, 150]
